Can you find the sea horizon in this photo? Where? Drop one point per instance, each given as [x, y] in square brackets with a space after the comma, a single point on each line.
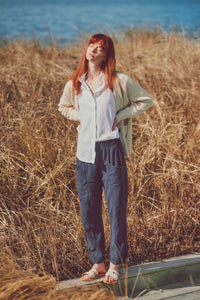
[65, 21]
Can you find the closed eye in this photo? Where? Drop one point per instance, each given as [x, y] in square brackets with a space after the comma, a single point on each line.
[98, 48]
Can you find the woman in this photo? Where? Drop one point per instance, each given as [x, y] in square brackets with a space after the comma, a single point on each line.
[104, 102]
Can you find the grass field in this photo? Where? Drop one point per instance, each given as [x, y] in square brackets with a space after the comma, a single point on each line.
[40, 222]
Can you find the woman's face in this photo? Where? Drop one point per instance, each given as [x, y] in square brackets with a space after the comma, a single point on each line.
[95, 54]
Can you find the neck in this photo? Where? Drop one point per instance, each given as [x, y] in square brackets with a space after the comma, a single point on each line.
[93, 71]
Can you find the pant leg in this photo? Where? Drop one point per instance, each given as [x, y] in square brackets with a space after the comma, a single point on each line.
[115, 182]
[89, 186]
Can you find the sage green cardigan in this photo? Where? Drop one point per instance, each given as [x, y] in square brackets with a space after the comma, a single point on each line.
[131, 100]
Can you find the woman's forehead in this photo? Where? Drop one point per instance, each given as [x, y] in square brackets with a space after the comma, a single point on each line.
[97, 43]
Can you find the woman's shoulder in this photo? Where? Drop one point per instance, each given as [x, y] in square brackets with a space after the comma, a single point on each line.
[68, 84]
[68, 88]
[124, 78]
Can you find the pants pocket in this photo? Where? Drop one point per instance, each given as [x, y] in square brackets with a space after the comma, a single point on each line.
[87, 176]
[80, 173]
[117, 174]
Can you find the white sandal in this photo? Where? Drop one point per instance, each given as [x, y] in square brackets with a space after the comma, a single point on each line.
[114, 274]
[93, 274]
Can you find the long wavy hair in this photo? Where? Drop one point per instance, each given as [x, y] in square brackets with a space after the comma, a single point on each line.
[108, 66]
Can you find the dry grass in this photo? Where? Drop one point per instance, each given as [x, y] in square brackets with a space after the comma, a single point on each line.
[40, 223]
[21, 285]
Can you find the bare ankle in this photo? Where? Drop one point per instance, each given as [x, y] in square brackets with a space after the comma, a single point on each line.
[99, 266]
[113, 266]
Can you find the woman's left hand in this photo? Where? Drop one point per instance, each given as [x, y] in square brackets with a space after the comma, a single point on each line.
[114, 125]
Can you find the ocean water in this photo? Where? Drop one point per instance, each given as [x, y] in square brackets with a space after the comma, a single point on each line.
[66, 20]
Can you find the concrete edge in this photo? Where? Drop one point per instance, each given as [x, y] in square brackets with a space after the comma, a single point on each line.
[138, 278]
[160, 274]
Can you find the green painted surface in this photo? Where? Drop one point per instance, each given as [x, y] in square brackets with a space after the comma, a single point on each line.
[144, 278]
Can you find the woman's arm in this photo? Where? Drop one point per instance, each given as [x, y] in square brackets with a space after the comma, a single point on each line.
[139, 99]
[66, 104]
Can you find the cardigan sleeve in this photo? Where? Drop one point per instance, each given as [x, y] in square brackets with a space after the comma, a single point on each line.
[66, 103]
[139, 101]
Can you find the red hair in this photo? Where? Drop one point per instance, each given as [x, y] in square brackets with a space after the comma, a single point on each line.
[108, 67]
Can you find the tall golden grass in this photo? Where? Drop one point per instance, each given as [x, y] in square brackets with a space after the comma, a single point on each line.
[40, 222]
[19, 284]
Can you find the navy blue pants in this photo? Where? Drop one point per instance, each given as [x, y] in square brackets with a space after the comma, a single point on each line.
[109, 172]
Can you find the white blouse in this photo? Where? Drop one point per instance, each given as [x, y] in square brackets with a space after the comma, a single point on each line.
[97, 115]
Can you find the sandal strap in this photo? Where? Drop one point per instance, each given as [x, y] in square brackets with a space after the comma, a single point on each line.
[93, 273]
[113, 273]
